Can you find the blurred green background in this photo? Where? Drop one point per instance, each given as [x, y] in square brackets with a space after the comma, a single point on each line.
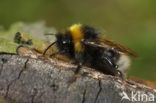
[130, 22]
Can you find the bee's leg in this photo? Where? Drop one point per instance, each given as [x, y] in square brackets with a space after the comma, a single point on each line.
[109, 63]
[59, 52]
[113, 67]
[75, 73]
[120, 74]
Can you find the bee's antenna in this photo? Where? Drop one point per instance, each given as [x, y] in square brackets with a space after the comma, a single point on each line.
[48, 48]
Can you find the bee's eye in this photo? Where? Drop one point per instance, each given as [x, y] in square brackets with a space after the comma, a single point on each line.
[110, 53]
[64, 42]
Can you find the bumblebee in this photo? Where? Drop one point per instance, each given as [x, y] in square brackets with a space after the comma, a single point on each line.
[86, 46]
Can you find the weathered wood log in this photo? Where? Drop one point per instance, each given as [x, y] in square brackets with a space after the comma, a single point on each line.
[26, 80]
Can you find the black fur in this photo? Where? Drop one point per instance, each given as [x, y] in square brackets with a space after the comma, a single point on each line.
[90, 33]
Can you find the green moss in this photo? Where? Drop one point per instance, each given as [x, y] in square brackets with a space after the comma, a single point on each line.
[7, 45]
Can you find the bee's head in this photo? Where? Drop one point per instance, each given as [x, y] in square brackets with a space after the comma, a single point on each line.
[64, 43]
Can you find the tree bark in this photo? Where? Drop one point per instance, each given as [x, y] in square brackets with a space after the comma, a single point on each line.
[27, 80]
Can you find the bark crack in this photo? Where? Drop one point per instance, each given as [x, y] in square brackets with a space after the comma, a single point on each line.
[3, 62]
[1, 69]
[24, 68]
[19, 75]
[34, 95]
[100, 89]
[83, 99]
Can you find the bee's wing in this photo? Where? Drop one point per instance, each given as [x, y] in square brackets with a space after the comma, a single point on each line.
[106, 43]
